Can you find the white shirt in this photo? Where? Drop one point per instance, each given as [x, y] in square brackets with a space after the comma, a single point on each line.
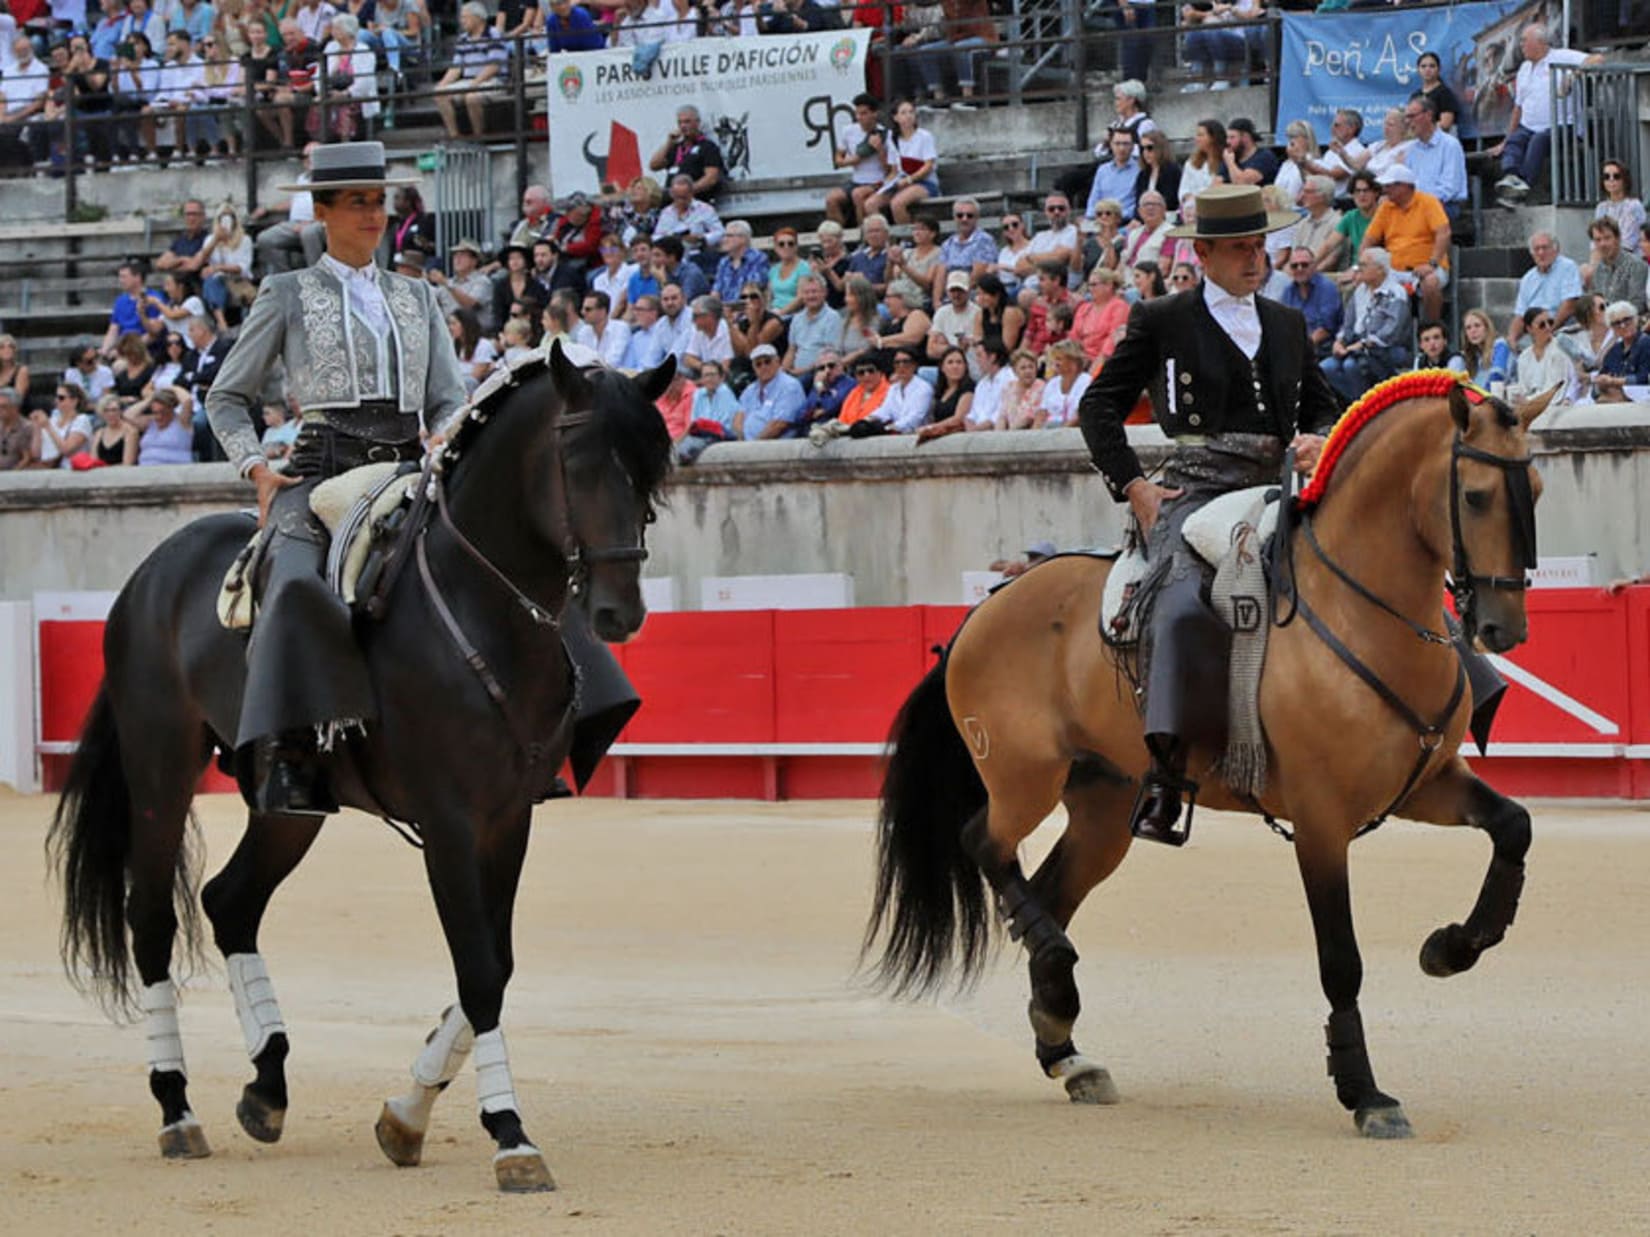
[80, 423]
[679, 331]
[1061, 406]
[906, 155]
[1289, 179]
[718, 347]
[8, 36]
[1193, 181]
[97, 384]
[1236, 316]
[313, 21]
[361, 288]
[612, 344]
[988, 397]
[178, 82]
[1331, 160]
[614, 285]
[849, 136]
[24, 86]
[1533, 89]
[906, 405]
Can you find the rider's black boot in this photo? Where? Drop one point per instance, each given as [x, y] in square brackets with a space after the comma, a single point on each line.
[293, 781]
[1157, 807]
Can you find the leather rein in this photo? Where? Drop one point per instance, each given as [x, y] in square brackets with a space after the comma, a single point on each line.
[1463, 586]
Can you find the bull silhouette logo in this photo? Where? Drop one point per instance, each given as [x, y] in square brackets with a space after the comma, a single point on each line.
[734, 137]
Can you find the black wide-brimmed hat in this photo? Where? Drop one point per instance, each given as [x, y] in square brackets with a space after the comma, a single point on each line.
[348, 165]
[1225, 211]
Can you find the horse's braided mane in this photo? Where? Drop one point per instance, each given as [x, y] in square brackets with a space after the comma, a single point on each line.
[1418, 384]
[630, 428]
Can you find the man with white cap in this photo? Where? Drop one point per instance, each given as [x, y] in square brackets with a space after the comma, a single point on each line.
[1412, 226]
[370, 364]
[1234, 377]
[771, 405]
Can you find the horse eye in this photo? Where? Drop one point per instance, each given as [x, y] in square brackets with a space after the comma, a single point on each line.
[1478, 500]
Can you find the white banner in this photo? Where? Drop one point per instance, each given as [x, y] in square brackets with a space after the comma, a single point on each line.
[770, 103]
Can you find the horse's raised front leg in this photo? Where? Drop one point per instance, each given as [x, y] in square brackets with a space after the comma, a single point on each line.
[235, 901]
[474, 875]
[1321, 854]
[406, 1118]
[1458, 797]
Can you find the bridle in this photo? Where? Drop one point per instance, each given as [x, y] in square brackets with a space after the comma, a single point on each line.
[1463, 585]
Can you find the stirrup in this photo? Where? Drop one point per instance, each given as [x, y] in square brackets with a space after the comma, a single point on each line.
[1177, 831]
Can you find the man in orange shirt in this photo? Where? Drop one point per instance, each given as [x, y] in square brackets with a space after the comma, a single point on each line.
[870, 389]
[1412, 227]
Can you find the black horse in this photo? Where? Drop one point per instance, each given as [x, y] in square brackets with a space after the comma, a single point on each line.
[543, 492]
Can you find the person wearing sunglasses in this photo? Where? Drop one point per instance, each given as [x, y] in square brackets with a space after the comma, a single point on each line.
[1016, 241]
[1626, 362]
[1619, 203]
[1544, 365]
[1159, 172]
[1316, 296]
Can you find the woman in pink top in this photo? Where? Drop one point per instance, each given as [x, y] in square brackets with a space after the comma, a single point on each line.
[676, 405]
[1100, 320]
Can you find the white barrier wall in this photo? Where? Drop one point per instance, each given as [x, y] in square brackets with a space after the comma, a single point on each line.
[823, 591]
[18, 768]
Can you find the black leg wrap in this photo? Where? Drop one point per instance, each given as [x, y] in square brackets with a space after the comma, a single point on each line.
[1024, 915]
[1053, 990]
[1050, 1055]
[505, 1127]
[1349, 1061]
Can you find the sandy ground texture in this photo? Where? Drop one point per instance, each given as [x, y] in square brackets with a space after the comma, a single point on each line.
[693, 1056]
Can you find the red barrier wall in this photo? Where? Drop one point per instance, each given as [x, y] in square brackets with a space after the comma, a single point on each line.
[796, 704]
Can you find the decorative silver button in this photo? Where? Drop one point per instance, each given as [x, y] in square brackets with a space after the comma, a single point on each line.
[1185, 379]
[1194, 419]
[1190, 398]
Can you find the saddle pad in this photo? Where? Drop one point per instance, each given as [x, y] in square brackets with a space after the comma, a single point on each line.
[332, 499]
[1209, 530]
[1127, 571]
[369, 500]
[235, 606]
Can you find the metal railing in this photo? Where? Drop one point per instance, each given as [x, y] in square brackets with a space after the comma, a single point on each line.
[1595, 117]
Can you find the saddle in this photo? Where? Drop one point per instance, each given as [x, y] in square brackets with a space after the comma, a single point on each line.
[364, 512]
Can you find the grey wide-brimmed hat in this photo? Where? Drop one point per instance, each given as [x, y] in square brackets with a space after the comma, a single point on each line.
[1225, 211]
[348, 165]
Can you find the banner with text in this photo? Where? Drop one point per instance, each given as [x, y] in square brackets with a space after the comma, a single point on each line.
[770, 103]
[1366, 60]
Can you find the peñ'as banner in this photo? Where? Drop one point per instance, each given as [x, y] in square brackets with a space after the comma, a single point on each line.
[771, 103]
[1366, 60]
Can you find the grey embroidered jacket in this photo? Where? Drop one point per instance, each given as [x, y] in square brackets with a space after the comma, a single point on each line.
[333, 361]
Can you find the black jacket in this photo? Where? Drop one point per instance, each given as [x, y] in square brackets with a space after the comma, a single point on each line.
[1213, 382]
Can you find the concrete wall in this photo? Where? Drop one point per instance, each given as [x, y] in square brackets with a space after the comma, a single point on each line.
[904, 522]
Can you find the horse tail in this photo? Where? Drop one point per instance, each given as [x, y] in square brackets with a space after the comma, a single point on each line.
[930, 894]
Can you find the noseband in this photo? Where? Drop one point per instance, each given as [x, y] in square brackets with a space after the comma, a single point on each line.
[579, 558]
[1463, 584]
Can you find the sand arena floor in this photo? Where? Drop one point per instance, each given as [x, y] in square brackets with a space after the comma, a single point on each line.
[693, 1057]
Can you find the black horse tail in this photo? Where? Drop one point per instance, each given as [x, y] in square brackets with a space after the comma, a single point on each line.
[88, 846]
[930, 894]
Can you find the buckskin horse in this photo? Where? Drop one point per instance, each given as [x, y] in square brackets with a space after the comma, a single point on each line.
[1424, 476]
[543, 491]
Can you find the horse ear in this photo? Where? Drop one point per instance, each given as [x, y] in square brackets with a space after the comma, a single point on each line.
[1460, 406]
[1530, 409]
[654, 382]
[570, 380]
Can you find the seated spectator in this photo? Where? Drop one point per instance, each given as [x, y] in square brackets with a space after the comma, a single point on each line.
[1015, 246]
[89, 374]
[785, 271]
[136, 79]
[16, 434]
[1338, 254]
[182, 76]
[187, 250]
[995, 376]
[635, 212]
[740, 264]
[1373, 343]
[827, 388]
[690, 152]
[475, 350]
[1020, 399]
[180, 299]
[908, 322]
[970, 248]
[1128, 100]
[412, 229]
[1064, 389]
[1208, 157]
[1544, 365]
[1413, 228]
[169, 369]
[226, 273]
[957, 323]
[132, 312]
[910, 163]
[115, 441]
[675, 314]
[281, 426]
[861, 323]
[870, 261]
[860, 143]
[1147, 280]
[1553, 283]
[798, 17]
[1626, 362]
[1001, 321]
[1523, 153]
[25, 92]
[64, 432]
[922, 262]
[1345, 155]
[966, 34]
[714, 402]
[468, 289]
[1040, 329]
[905, 404]
[814, 330]
[1316, 296]
[1433, 350]
[1587, 335]
[1097, 325]
[1487, 356]
[710, 340]
[611, 277]
[870, 389]
[569, 27]
[1614, 272]
[1184, 277]
[669, 266]
[1213, 49]
[953, 397]
[602, 333]
[831, 262]
[650, 336]
[1619, 203]
[675, 405]
[1114, 179]
[1389, 150]
[752, 322]
[476, 71]
[1435, 156]
[1159, 172]
[14, 375]
[166, 434]
[1144, 241]
[1246, 161]
[1445, 106]
[1058, 243]
[644, 279]
[1301, 154]
[132, 367]
[1317, 226]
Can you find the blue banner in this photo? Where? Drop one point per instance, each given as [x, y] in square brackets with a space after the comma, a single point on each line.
[1366, 60]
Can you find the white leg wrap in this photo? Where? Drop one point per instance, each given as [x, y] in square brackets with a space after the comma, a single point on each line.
[160, 1024]
[494, 1088]
[445, 1051]
[255, 1002]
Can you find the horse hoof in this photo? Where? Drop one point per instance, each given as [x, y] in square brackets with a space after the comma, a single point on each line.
[403, 1144]
[1384, 1123]
[1093, 1086]
[258, 1118]
[184, 1140]
[522, 1170]
[1442, 954]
